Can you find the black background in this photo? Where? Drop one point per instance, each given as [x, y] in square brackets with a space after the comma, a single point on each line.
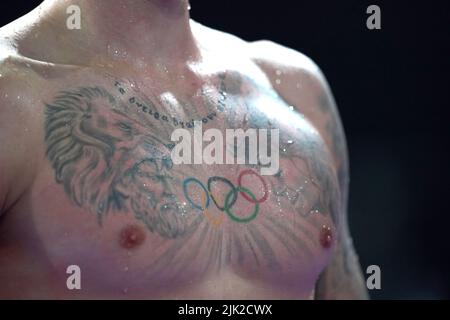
[392, 89]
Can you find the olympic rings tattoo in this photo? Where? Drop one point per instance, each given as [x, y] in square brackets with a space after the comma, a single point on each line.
[230, 198]
[232, 215]
[226, 181]
[215, 221]
[186, 195]
[253, 199]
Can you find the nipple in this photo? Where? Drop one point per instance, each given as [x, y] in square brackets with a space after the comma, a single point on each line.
[131, 237]
[326, 237]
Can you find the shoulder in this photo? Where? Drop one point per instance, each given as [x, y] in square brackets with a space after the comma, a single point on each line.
[300, 81]
[17, 72]
[16, 78]
[286, 69]
[18, 130]
[271, 54]
[19, 78]
[289, 71]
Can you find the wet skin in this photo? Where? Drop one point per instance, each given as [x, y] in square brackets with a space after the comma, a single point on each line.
[103, 193]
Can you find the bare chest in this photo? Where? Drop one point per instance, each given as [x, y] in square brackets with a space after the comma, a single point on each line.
[122, 198]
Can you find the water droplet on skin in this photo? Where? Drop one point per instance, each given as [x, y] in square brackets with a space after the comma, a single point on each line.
[291, 108]
[278, 81]
[126, 269]
[125, 291]
[279, 73]
[141, 64]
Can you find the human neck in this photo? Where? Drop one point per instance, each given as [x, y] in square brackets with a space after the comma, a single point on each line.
[133, 29]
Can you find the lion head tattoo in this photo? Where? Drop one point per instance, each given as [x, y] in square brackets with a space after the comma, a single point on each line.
[107, 162]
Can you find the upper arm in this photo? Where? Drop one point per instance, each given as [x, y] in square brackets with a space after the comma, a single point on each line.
[301, 83]
[17, 135]
[7, 152]
[5, 155]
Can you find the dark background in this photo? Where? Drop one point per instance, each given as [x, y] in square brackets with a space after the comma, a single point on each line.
[392, 89]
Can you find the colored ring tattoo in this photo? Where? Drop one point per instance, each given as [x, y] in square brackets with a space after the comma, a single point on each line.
[186, 194]
[227, 182]
[266, 190]
[214, 221]
[232, 215]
